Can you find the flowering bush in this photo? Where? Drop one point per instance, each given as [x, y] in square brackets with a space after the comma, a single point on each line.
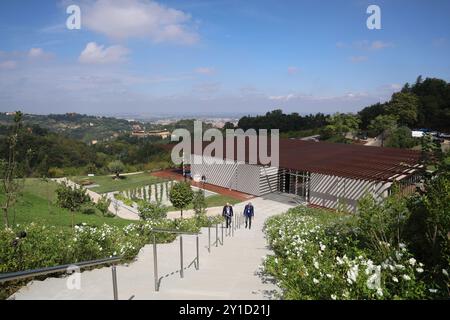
[35, 246]
[318, 256]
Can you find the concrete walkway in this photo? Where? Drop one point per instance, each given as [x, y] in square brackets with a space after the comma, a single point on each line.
[228, 272]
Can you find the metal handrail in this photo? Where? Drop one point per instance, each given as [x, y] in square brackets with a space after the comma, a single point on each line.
[174, 231]
[196, 261]
[11, 276]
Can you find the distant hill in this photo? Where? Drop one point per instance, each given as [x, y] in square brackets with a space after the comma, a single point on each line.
[77, 126]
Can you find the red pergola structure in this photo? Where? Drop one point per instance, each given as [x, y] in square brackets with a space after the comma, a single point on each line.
[352, 161]
[348, 160]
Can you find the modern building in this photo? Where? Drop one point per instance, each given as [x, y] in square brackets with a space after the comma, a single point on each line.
[319, 173]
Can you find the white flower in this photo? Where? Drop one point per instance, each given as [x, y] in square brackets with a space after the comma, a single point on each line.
[406, 277]
[352, 274]
[380, 292]
[315, 281]
[445, 272]
[316, 265]
[333, 296]
[432, 290]
[419, 270]
[412, 261]
[395, 279]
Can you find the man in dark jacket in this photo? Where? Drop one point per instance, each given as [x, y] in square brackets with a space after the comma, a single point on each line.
[227, 212]
[249, 213]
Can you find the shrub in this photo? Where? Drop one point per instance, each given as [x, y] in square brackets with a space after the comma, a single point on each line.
[318, 256]
[88, 209]
[71, 197]
[55, 172]
[199, 202]
[103, 205]
[44, 246]
[151, 210]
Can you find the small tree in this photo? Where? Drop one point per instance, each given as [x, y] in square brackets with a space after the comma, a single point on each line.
[103, 205]
[181, 196]
[116, 167]
[161, 192]
[199, 202]
[151, 211]
[71, 198]
[11, 186]
[150, 192]
[144, 194]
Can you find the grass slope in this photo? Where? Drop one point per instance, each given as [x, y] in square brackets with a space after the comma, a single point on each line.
[108, 184]
[37, 204]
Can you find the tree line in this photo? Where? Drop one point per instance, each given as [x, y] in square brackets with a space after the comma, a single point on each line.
[424, 104]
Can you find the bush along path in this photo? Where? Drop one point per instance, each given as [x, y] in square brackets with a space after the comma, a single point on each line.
[324, 255]
[231, 271]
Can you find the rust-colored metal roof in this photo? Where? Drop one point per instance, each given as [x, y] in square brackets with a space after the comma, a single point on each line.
[344, 160]
[348, 160]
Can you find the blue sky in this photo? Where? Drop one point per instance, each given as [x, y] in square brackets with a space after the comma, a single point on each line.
[216, 56]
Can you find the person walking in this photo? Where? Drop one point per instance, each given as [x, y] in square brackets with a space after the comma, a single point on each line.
[227, 213]
[249, 213]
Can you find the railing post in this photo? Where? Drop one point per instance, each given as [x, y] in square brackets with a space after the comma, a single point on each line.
[114, 281]
[222, 233]
[217, 235]
[155, 263]
[198, 256]
[209, 238]
[181, 257]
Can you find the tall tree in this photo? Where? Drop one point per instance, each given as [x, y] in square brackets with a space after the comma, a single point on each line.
[342, 123]
[383, 125]
[404, 106]
[11, 186]
[116, 167]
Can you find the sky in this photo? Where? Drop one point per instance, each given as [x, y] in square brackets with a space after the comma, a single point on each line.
[216, 56]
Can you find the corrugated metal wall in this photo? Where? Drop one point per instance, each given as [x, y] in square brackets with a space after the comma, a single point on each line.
[331, 191]
[268, 181]
[237, 176]
[326, 191]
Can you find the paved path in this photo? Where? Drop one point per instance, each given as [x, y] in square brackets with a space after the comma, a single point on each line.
[228, 272]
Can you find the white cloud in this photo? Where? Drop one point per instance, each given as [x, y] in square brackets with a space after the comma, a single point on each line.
[8, 65]
[98, 54]
[293, 70]
[205, 70]
[35, 52]
[139, 19]
[374, 45]
[282, 98]
[38, 53]
[357, 59]
[377, 45]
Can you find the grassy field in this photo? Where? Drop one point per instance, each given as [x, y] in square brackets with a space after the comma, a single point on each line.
[217, 200]
[38, 205]
[108, 184]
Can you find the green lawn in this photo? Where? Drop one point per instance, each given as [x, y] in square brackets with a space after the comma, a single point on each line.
[108, 184]
[36, 206]
[217, 200]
